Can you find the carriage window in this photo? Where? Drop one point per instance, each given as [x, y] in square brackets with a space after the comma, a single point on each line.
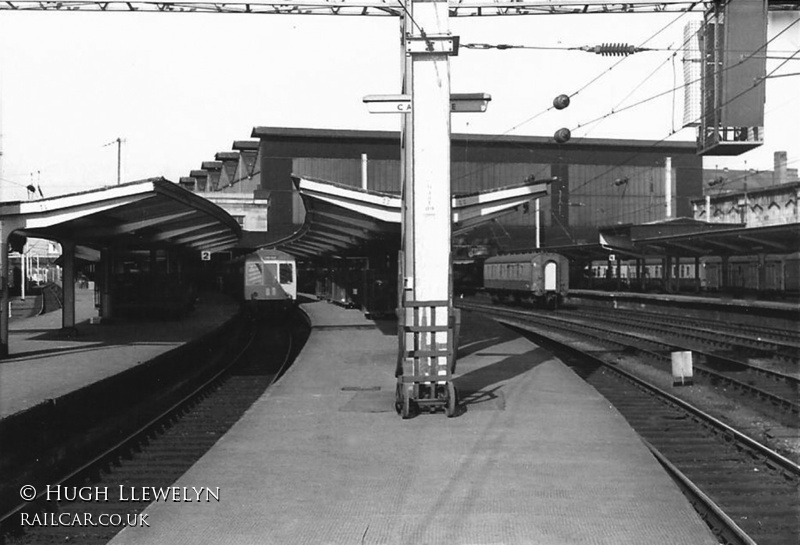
[285, 272]
[254, 274]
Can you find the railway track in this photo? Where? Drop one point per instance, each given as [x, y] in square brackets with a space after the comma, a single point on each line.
[747, 493]
[766, 389]
[778, 388]
[155, 456]
[746, 341]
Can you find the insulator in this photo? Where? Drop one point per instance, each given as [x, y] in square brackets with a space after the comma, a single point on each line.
[561, 102]
[614, 50]
[562, 135]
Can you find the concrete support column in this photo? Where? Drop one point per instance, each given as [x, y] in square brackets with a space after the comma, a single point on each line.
[68, 284]
[724, 281]
[425, 290]
[762, 272]
[666, 274]
[106, 283]
[7, 228]
[668, 186]
[5, 301]
[697, 283]
[640, 273]
[619, 274]
[364, 171]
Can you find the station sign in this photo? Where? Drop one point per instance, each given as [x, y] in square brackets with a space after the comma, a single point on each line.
[401, 104]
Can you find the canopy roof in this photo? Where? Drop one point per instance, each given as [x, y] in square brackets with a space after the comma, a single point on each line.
[342, 219]
[151, 213]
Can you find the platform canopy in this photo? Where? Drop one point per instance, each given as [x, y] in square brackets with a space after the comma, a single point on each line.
[693, 238]
[343, 219]
[738, 240]
[152, 213]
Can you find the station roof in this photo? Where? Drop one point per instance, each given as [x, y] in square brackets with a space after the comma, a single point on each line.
[684, 237]
[151, 213]
[288, 134]
[773, 189]
[245, 145]
[226, 156]
[342, 219]
[729, 241]
[634, 238]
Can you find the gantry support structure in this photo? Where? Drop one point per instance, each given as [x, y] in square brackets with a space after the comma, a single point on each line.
[426, 318]
[392, 8]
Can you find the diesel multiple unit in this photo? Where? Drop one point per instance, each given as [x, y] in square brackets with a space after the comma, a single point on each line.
[270, 279]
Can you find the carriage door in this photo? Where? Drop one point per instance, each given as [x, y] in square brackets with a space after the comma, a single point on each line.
[550, 276]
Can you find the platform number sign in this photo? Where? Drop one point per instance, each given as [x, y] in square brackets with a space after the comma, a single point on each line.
[612, 257]
[205, 255]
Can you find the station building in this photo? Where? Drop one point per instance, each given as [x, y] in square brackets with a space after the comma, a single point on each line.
[592, 182]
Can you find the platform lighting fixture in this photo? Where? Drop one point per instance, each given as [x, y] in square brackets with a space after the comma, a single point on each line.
[621, 181]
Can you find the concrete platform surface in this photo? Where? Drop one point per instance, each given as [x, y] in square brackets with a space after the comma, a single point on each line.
[537, 457]
[46, 363]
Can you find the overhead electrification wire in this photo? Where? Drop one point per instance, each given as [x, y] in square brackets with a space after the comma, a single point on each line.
[662, 29]
[605, 49]
[645, 80]
[551, 107]
[411, 18]
[678, 87]
[657, 143]
[785, 75]
[661, 141]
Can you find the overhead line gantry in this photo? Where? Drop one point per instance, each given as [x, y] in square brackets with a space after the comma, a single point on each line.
[456, 8]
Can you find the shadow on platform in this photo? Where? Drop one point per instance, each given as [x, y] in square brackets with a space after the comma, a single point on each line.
[482, 388]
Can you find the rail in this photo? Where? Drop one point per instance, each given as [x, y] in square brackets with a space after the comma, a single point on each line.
[140, 431]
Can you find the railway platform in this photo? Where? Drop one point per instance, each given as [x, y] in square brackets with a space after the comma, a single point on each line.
[535, 456]
[779, 314]
[46, 362]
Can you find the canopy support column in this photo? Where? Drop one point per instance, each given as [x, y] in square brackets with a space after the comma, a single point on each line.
[68, 285]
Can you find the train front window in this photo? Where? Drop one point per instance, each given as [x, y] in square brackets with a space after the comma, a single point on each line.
[270, 273]
[285, 272]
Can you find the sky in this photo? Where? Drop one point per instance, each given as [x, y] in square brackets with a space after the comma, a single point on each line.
[177, 88]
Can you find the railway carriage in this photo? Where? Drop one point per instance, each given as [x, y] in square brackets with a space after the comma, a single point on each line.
[540, 278]
[270, 280]
[775, 275]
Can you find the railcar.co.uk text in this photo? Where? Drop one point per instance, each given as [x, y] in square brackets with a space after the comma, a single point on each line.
[100, 494]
